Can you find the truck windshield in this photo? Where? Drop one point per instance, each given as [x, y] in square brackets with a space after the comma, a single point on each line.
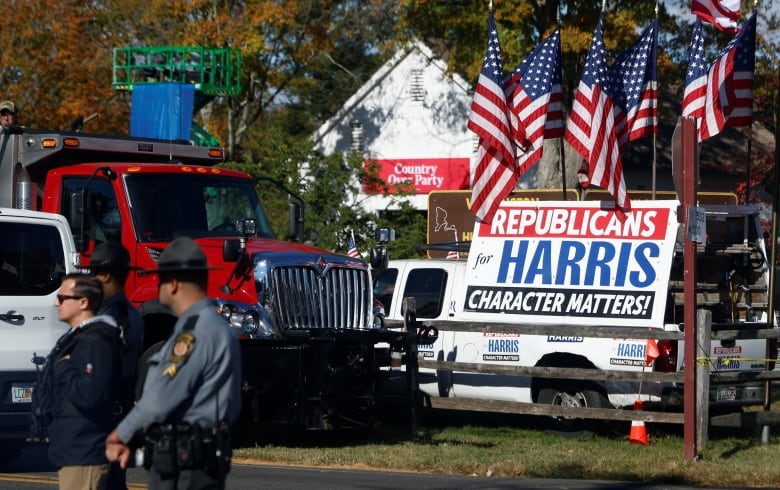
[165, 206]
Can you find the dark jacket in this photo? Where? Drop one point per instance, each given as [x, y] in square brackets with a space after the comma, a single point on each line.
[85, 394]
[131, 325]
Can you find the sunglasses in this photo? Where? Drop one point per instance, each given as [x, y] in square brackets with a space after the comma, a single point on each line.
[62, 297]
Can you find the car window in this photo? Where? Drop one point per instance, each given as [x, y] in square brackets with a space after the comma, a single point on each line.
[427, 287]
[384, 287]
[32, 261]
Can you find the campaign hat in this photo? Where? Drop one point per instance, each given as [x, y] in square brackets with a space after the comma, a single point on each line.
[183, 254]
[111, 256]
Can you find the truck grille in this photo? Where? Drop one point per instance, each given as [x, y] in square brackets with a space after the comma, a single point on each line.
[339, 299]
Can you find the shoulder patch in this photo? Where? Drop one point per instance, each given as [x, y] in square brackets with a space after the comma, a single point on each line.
[189, 324]
[182, 347]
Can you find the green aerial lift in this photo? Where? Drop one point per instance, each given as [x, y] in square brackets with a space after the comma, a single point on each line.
[212, 71]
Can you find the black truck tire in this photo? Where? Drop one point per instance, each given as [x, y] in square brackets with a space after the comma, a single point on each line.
[572, 394]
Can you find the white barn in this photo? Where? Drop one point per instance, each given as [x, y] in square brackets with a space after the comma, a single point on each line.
[410, 117]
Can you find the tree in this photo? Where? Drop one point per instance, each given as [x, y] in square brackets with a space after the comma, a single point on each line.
[55, 64]
[322, 182]
[286, 47]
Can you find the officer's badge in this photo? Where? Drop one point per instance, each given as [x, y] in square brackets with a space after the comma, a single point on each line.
[182, 347]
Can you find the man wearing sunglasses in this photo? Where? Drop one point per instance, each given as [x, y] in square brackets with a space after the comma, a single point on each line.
[84, 369]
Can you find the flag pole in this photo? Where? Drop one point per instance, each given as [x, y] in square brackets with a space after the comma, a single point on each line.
[750, 145]
[563, 110]
[770, 312]
[657, 122]
[749, 154]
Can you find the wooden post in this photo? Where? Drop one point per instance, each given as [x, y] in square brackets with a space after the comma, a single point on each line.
[409, 309]
[703, 349]
[685, 172]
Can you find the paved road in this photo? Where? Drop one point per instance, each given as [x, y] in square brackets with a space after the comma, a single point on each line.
[33, 472]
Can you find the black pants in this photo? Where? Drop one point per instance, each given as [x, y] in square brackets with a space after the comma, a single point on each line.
[185, 480]
[116, 477]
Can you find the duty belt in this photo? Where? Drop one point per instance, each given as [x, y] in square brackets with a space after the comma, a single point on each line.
[171, 448]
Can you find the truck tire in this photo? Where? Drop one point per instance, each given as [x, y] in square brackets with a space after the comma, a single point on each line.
[572, 394]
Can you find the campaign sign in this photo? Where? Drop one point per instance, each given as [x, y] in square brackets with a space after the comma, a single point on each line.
[573, 262]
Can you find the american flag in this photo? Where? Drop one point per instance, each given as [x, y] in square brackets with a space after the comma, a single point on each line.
[536, 95]
[454, 254]
[728, 86]
[352, 251]
[723, 14]
[696, 76]
[591, 129]
[633, 86]
[495, 174]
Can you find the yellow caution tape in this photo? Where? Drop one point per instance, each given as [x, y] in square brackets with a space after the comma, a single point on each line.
[704, 360]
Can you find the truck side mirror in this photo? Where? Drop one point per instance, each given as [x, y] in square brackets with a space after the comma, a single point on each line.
[74, 211]
[75, 215]
[231, 250]
[379, 258]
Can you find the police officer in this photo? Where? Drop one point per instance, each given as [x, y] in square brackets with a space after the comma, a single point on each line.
[110, 264]
[192, 392]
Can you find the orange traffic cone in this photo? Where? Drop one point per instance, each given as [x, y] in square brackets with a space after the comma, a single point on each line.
[638, 433]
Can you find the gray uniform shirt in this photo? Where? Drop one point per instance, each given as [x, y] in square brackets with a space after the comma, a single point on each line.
[195, 375]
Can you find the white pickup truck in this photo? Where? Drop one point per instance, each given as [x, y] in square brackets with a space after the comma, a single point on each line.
[37, 249]
[561, 281]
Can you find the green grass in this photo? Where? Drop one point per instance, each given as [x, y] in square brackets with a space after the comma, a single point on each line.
[514, 446]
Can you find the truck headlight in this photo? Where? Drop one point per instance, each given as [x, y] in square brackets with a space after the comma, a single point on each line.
[248, 319]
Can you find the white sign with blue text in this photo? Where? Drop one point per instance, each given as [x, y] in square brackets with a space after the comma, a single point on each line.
[579, 262]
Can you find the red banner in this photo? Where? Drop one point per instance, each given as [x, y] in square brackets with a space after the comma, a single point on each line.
[424, 174]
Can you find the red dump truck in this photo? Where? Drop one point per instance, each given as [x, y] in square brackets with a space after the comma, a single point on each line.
[305, 315]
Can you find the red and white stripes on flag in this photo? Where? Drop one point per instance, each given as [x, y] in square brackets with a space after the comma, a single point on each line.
[722, 96]
[454, 254]
[634, 88]
[352, 250]
[591, 129]
[695, 76]
[536, 101]
[723, 14]
[495, 174]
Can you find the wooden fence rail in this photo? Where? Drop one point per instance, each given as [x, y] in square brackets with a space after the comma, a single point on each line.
[715, 377]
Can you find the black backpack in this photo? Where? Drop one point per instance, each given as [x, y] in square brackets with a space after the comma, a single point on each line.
[126, 391]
